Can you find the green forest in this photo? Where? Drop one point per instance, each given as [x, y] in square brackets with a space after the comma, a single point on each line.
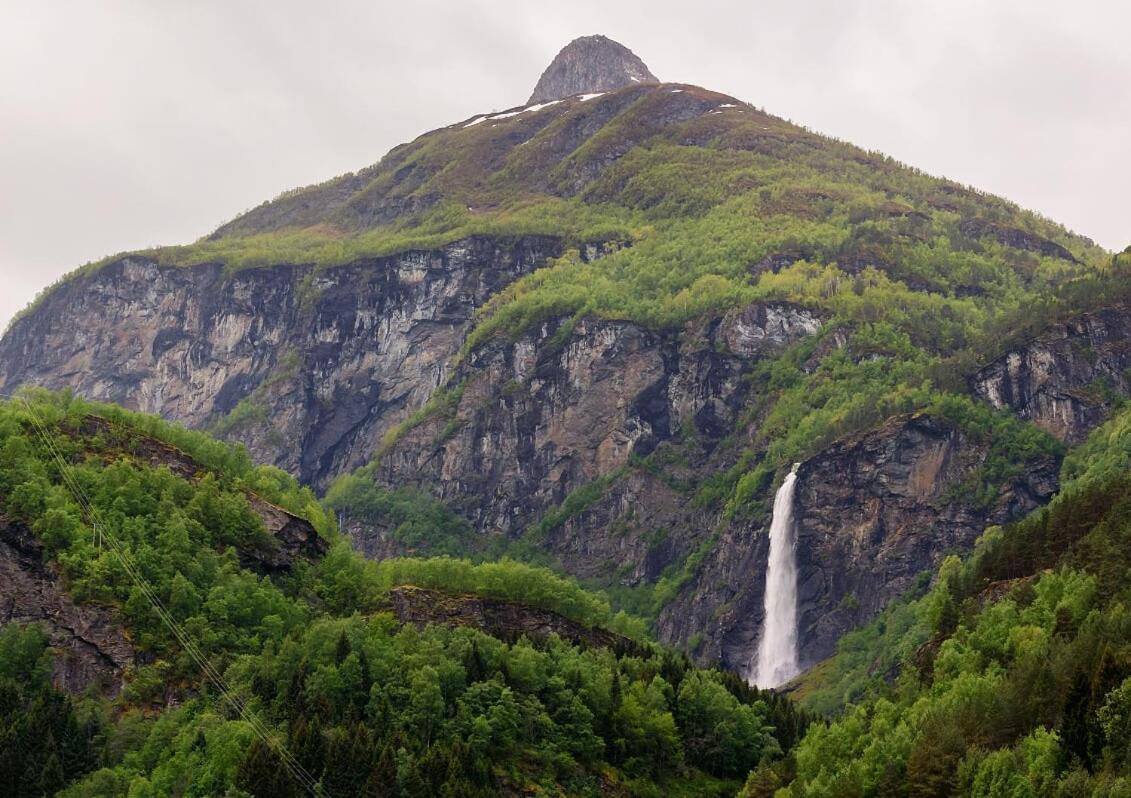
[1014, 667]
[364, 704]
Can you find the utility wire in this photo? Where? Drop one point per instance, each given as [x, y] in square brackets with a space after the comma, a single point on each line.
[178, 631]
[293, 766]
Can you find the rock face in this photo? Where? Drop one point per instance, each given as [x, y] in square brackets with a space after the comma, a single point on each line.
[591, 442]
[324, 362]
[505, 620]
[544, 416]
[90, 648]
[873, 512]
[1068, 379]
[588, 65]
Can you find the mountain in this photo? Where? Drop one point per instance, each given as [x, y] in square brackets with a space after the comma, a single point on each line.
[595, 332]
[587, 65]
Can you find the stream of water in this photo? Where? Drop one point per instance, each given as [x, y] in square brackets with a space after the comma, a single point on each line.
[777, 650]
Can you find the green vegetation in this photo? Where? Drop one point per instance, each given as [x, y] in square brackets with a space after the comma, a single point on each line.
[367, 706]
[1015, 666]
[47, 739]
[420, 524]
[921, 276]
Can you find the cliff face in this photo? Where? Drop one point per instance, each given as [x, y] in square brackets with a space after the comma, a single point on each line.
[587, 439]
[590, 443]
[873, 512]
[89, 645]
[324, 362]
[1068, 379]
[559, 409]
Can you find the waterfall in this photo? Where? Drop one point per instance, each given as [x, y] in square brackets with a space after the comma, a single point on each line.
[777, 650]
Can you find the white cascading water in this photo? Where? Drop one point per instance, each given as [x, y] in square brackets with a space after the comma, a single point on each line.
[777, 650]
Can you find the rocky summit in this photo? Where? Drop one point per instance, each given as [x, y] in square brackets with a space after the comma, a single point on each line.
[587, 65]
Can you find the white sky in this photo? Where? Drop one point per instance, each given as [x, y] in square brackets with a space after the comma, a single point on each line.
[129, 124]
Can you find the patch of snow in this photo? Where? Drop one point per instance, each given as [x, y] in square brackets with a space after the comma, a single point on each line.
[634, 79]
[509, 114]
[587, 97]
[728, 105]
[677, 91]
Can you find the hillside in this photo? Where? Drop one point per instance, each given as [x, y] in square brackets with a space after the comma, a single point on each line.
[595, 332]
[322, 655]
[1011, 676]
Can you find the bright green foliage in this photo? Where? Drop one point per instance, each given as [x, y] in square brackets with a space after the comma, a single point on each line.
[419, 523]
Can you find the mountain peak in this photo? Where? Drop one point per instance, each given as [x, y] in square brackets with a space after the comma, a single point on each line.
[590, 64]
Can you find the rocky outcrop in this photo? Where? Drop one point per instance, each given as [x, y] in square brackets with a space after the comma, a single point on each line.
[1015, 237]
[290, 538]
[506, 620]
[873, 513]
[587, 65]
[89, 645]
[307, 367]
[1068, 379]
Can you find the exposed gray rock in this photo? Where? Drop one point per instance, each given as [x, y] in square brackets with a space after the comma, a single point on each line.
[561, 407]
[1068, 379]
[89, 646]
[590, 64]
[327, 361]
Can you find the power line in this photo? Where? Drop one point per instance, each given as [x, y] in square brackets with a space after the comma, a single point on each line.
[293, 766]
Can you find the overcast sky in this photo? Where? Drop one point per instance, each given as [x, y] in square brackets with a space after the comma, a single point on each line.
[130, 124]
